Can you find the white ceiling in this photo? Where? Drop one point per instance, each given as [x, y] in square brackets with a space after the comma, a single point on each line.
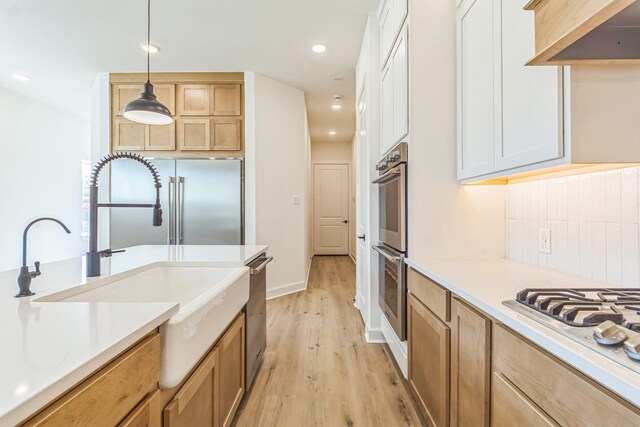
[63, 44]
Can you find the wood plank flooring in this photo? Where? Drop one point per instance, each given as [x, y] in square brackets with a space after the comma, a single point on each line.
[318, 369]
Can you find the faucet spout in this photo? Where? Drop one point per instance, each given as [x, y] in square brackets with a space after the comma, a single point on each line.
[94, 256]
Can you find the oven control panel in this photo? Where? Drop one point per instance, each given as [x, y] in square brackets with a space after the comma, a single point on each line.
[395, 156]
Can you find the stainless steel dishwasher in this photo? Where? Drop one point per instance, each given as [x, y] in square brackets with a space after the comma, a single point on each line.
[256, 314]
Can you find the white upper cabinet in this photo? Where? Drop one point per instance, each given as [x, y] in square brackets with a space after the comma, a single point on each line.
[395, 92]
[391, 17]
[531, 96]
[478, 103]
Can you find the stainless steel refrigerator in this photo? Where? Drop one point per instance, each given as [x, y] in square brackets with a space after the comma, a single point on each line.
[201, 203]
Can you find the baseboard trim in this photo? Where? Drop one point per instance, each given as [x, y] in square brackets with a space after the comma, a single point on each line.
[283, 290]
[374, 336]
[398, 348]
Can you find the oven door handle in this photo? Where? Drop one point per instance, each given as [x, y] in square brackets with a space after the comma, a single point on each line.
[393, 258]
[387, 176]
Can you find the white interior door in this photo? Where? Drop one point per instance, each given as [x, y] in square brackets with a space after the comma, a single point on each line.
[331, 209]
[362, 184]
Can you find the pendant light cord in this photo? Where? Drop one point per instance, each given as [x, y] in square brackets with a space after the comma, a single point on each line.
[148, 39]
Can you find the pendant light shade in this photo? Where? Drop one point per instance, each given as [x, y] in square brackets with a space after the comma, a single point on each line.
[147, 109]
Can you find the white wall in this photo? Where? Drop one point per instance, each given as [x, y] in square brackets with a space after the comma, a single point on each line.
[277, 169]
[593, 220]
[40, 175]
[446, 220]
[352, 204]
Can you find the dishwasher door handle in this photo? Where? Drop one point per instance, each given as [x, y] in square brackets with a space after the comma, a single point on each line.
[261, 267]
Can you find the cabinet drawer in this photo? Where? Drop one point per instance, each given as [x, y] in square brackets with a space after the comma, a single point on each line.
[512, 408]
[433, 296]
[108, 396]
[542, 378]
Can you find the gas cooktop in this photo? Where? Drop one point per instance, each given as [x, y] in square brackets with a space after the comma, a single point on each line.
[606, 320]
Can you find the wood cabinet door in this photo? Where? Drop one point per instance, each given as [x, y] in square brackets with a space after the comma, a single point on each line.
[226, 134]
[147, 414]
[479, 115]
[166, 94]
[197, 402]
[193, 100]
[509, 407]
[128, 135]
[429, 340]
[531, 96]
[122, 94]
[232, 356]
[470, 366]
[399, 63]
[161, 138]
[194, 134]
[225, 100]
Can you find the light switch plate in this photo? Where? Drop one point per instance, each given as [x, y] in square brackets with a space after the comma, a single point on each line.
[295, 200]
[544, 240]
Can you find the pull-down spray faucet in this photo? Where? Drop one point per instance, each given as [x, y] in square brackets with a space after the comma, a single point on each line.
[94, 256]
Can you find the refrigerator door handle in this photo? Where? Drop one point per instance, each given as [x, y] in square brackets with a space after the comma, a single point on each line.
[171, 188]
[180, 201]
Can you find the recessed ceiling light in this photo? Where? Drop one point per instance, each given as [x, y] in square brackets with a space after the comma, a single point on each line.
[336, 106]
[332, 132]
[318, 48]
[151, 48]
[21, 77]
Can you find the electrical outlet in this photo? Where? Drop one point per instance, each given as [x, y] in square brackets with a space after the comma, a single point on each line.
[544, 240]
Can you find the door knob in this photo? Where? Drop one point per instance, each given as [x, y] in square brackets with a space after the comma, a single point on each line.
[361, 237]
[344, 221]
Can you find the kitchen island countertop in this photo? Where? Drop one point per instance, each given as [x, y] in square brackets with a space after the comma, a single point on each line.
[48, 347]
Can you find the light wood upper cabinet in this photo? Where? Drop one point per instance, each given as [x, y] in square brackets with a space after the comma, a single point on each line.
[225, 100]
[470, 366]
[193, 100]
[161, 138]
[166, 94]
[232, 357]
[147, 414]
[122, 94]
[109, 395]
[128, 135]
[429, 340]
[194, 134]
[226, 134]
[197, 401]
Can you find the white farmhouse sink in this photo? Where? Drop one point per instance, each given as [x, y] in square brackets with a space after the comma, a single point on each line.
[209, 298]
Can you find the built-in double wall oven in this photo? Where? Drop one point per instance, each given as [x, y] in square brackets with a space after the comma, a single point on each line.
[392, 247]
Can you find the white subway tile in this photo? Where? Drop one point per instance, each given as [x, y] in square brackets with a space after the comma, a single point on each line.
[573, 198]
[629, 195]
[543, 259]
[525, 189]
[586, 257]
[599, 251]
[630, 255]
[573, 247]
[542, 200]
[561, 194]
[552, 199]
[558, 256]
[585, 197]
[511, 238]
[613, 199]
[511, 190]
[614, 254]
[533, 242]
[598, 197]
[526, 236]
[533, 199]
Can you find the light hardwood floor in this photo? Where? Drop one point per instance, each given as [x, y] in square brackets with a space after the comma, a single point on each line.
[318, 370]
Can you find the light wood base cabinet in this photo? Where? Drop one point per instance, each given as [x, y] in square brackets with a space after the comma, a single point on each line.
[107, 397]
[212, 393]
[147, 414]
[512, 408]
[470, 366]
[429, 362]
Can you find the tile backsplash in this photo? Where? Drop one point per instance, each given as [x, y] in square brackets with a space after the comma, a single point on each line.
[593, 220]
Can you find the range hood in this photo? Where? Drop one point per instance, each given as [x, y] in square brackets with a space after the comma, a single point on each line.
[590, 32]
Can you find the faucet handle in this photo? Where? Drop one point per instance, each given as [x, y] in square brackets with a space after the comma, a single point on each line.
[37, 264]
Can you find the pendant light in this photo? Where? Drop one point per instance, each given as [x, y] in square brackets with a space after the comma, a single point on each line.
[147, 109]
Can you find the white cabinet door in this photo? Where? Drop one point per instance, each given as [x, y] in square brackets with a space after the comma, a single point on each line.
[531, 96]
[387, 107]
[387, 30]
[400, 87]
[478, 86]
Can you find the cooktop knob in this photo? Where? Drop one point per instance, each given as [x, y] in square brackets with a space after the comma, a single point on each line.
[632, 347]
[608, 333]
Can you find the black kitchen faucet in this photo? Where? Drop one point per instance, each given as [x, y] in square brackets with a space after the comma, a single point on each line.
[94, 256]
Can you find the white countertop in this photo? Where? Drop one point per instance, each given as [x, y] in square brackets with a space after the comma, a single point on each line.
[47, 347]
[487, 283]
